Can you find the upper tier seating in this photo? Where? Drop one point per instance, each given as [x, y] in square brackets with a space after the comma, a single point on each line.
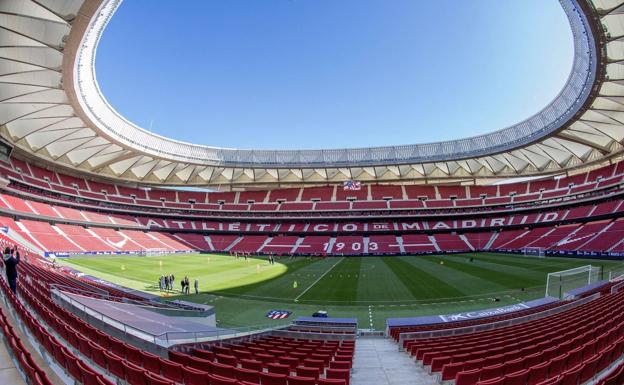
[379, 192]
[64, 224]
[318, 193]
[371, 198]
[287, 194]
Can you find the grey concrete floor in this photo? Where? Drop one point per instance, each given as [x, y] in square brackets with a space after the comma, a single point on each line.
[378, 361]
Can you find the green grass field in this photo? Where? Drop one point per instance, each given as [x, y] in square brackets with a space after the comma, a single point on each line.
[369, 288]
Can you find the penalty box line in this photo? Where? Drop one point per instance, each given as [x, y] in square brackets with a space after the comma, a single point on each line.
[319, 278]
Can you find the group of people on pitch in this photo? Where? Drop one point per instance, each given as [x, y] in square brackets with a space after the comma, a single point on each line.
[165, 282]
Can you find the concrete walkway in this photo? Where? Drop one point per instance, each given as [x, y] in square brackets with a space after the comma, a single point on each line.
[378, 361]
[8, 372]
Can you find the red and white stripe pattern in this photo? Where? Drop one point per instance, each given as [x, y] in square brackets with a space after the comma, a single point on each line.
[278, 314]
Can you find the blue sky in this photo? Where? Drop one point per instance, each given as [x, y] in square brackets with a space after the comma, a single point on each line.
[283, 74]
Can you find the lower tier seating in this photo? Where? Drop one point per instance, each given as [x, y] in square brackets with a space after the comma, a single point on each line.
[27, 365]
[276, 360]
[615, 377]
[87, 353]
[565, 348]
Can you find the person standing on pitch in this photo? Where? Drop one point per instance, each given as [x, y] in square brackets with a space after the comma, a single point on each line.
[11, 260]
[196, 284]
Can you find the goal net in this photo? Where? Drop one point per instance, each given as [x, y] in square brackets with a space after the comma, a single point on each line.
[153, 252]
[559, 283]
[537, 252]
[616, 273]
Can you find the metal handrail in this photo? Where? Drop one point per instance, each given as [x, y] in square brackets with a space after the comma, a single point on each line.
[168, 337]
[617, 287]
[110, 297]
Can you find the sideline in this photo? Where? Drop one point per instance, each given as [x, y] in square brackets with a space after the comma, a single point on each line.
[319, 278]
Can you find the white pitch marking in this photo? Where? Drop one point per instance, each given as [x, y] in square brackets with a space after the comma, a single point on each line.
[319, 278]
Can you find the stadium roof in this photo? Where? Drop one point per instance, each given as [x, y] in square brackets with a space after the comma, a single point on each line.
[51, 109]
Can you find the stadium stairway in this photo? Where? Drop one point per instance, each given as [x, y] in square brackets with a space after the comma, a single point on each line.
[377, 361]
[9, 373]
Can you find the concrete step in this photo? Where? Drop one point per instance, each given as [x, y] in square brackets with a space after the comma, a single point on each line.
[378, 361]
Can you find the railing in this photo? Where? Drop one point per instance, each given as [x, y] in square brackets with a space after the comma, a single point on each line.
[160, 338]
[96, 292]
[493, 325]
[314, 335]
[92, 292]
[617, 287]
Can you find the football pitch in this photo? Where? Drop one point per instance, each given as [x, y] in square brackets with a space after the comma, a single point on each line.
[368, 288]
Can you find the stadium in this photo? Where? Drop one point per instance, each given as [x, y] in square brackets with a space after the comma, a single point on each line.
[494, 259]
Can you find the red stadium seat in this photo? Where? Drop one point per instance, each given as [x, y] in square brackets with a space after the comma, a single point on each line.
[227, 359]
[340, 364]
[278, 368]
[115, 365]
[517, 378]
[218, 380]
[292, 362]
[468, 377]
[151, 362]
[171, 370]
[248, 375]
[153, 379]
[251, 364]
[342, 374]
[294, 380]
[180, 358]
[304, 371]
[97, 354]
[205, 354]
[222, 370]
[331, 381]
[273, 379]
[194, 376]
[572, 376]
[493, 381]
[538, 373]
[134, 374]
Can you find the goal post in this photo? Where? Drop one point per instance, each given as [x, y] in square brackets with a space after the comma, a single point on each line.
[153, 252]
[559, 283]
[538, 252]
[617, 273]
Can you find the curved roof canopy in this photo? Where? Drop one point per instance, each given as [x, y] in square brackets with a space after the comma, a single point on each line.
[52, 109]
